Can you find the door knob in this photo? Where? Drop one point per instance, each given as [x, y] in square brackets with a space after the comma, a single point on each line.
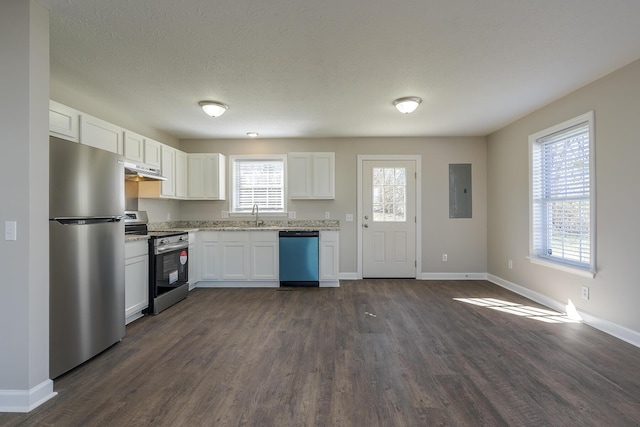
[366, 217]
[366, 225]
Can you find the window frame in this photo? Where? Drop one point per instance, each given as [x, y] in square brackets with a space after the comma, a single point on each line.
[535, 255]
[232, 183]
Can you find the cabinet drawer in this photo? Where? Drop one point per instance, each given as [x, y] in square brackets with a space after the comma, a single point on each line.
[234, 236]
[136, 248]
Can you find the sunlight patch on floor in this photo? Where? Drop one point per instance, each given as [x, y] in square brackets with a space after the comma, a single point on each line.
[535, 313]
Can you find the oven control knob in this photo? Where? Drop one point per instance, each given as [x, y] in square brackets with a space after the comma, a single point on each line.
[163, 242]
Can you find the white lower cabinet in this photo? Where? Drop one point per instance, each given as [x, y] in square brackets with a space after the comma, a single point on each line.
[234, 250]
[251, 259]
[264, 255]
[136, 279]
[238, 258]
[209, 255]
[329, 257]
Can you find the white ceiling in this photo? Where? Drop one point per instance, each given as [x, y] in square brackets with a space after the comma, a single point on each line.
[332, 68]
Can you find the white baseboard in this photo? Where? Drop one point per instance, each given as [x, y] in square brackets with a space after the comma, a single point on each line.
[618, 331]
[349, 276]
[26, 400]
[452, 276]
[237, 284]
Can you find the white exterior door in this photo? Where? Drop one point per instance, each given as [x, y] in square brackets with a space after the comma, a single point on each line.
[389, 218]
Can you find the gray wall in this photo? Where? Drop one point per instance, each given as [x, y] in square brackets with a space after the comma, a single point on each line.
[24, 191]
[614, 291]
[464, 240]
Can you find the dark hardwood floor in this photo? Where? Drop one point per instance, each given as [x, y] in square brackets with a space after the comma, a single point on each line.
[370, 353]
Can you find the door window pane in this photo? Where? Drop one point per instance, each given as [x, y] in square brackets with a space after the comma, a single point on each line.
[389, 194]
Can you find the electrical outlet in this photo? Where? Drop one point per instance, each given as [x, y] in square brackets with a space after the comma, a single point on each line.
[585, 292]
[224, 214]
[444, 257]
[327, 215]
[292, 214]
[168, 216]
[510, 264]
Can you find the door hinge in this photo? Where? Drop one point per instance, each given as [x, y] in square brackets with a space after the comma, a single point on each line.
[415, 263]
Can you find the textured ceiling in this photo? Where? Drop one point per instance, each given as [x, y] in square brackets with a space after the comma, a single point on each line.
[331, 68]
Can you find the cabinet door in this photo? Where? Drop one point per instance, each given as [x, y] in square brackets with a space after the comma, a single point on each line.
[311, 175]
[264, 255]
[209, 259]
[181, 175]
[214, 176]
[329, 256]
[323, 182]
[152, 153]
[100, 134]
[207, 179]
[195, 176]
[235, 255]
[133, 146]
[299, 171]
[136, 279]
[168, 168]
[64, 122]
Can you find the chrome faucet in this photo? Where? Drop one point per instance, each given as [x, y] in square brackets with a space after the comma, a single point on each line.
[254, 211]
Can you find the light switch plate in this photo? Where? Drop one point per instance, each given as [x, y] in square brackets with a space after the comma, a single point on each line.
[349, 217]
[10, 230]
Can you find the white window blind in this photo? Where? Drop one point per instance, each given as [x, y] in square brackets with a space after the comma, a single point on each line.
[258, 180]
[562, 197]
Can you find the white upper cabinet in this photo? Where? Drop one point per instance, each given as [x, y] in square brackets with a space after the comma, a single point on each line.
[152, 152]
[64, 122]
[100, 134]
[311, 175]
[168, 170]
[181, 175]
[133, 146]
[207, 176]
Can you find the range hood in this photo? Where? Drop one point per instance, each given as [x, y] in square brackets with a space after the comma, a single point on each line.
[137, 172]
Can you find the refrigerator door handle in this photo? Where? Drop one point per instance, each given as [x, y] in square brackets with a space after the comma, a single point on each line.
[87, 220]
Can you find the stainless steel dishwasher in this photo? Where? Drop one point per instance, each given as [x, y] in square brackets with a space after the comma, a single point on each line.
[299, 258]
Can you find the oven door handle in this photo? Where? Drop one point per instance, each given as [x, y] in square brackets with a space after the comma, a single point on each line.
[170, 248]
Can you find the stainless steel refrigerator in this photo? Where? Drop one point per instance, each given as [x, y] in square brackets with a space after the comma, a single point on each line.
[86, 246]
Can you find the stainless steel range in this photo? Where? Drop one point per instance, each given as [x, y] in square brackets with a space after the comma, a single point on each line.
[168, 262]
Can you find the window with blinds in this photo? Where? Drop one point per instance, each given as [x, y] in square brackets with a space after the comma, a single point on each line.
[258, 181]
[562, 194]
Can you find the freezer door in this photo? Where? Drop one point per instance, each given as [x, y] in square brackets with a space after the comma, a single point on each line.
[86, 301]
[84, 181]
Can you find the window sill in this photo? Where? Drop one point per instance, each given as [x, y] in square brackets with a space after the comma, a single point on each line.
[277, 215]
[562, 267]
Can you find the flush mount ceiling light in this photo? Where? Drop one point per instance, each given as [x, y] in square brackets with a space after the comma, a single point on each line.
[252, 134]
[408, 104]
[213, 108]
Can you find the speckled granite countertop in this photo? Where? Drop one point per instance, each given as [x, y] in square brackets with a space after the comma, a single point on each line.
[231, 225]
[135, 237]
